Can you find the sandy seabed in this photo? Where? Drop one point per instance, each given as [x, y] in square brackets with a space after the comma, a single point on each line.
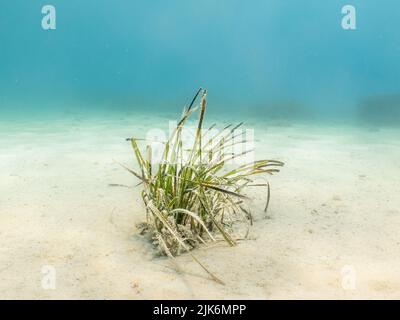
[332, 230]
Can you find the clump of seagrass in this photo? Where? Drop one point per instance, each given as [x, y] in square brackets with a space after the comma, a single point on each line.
[190, 196]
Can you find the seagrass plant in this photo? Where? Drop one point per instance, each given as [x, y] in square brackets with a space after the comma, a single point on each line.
[191, 196]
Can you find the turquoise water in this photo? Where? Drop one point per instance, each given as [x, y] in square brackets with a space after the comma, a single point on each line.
[265, 58]
[321, 98]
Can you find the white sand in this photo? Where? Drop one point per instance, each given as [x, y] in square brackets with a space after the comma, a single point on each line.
[336, 203]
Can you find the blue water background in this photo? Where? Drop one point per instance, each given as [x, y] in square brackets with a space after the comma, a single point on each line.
[257, 58]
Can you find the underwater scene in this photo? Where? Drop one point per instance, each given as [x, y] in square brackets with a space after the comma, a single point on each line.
[199, 150]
